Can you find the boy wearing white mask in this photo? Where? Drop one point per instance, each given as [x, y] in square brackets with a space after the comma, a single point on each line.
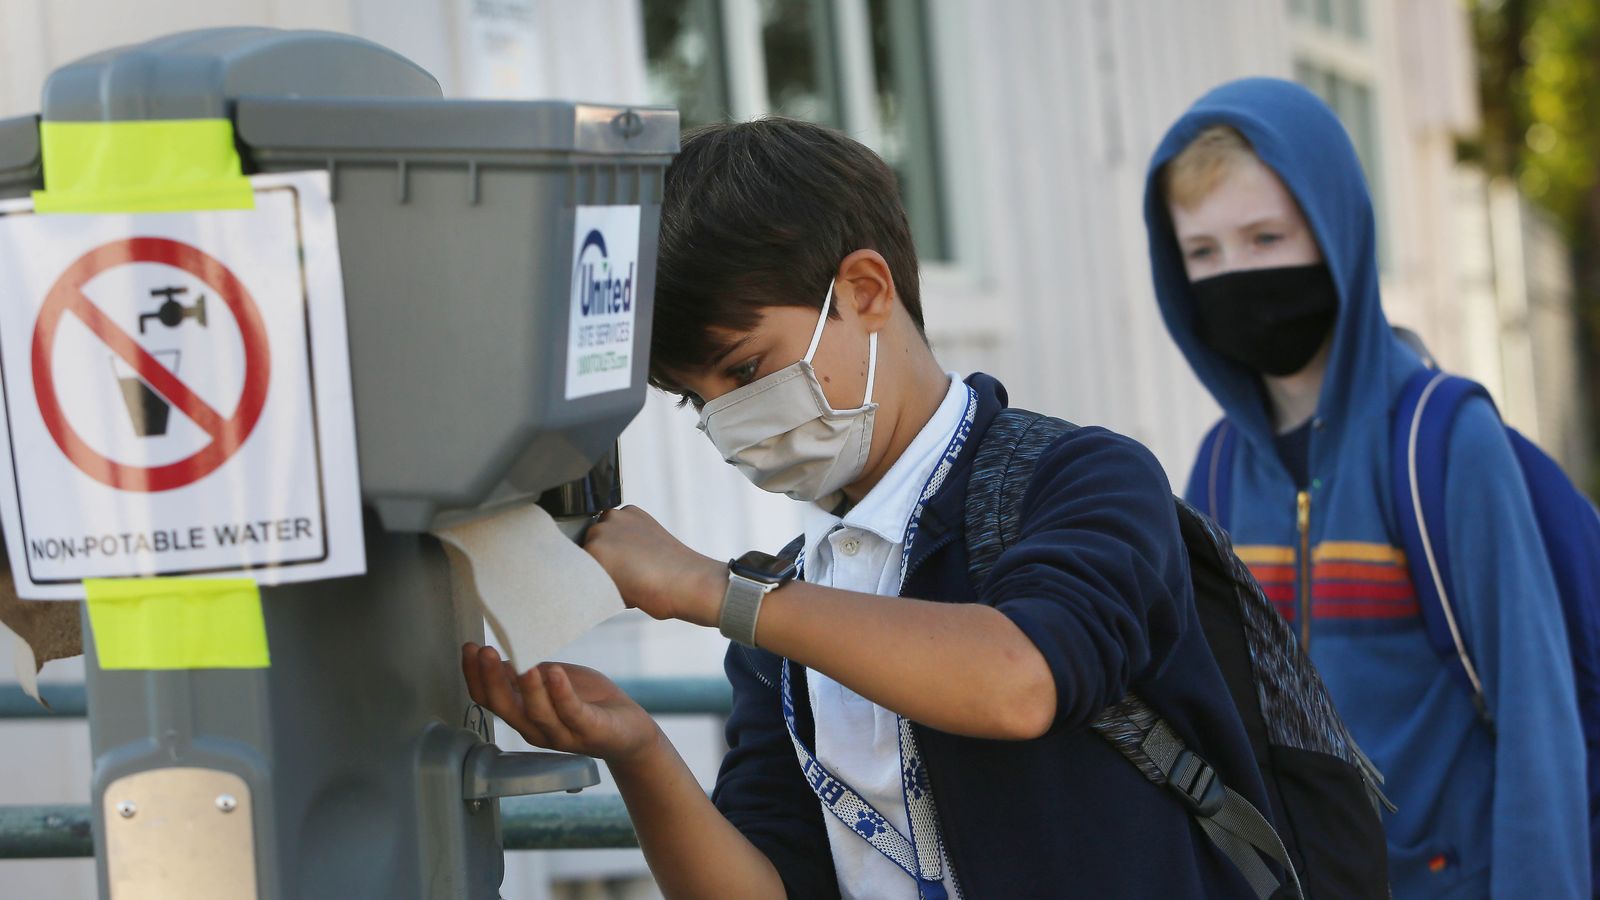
[896, 732]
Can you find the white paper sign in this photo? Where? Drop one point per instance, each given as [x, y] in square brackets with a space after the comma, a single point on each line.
[605, 277]
[498, 48]
[177, 394]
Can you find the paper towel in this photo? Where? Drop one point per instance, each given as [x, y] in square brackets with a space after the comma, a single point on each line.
[25, 667]
[44, 630]
[538, 590]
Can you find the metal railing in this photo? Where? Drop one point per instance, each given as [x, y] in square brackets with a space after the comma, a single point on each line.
[659, 697]
[546, 822]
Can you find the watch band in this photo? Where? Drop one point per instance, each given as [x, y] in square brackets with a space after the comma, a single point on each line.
[741, 606]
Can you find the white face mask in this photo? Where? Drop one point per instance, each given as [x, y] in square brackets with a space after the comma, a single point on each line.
[782, 434]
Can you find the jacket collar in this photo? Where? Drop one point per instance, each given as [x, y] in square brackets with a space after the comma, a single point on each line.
[944, 515]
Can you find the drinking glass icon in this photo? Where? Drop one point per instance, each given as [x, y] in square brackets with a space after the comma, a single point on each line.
[147, 411]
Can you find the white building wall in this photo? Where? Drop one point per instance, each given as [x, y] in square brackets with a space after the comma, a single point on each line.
[1058, 108]
[1553, 325]
[1427, 90]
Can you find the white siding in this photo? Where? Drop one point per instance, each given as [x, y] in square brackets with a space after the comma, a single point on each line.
[1059, 109]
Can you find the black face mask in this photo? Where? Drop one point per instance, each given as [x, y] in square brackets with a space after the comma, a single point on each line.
[1271, 321]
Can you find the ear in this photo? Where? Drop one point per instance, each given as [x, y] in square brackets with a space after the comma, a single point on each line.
[865, 285]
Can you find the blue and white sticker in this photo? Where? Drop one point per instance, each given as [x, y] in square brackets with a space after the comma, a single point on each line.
[605, 288]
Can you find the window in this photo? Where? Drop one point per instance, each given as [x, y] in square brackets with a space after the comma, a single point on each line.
[1334, 58]
[684, 64]
[1352, 102]
[858, 65]
[1346, 17]
[906, 120]
[801, 74]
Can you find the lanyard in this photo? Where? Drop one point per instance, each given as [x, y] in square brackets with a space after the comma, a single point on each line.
[921, 854]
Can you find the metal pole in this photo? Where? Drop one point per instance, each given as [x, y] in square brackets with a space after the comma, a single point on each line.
[658, 695]
[550, 822]
[682, 696]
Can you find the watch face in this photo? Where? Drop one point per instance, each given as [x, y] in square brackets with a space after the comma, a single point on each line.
[763, 567]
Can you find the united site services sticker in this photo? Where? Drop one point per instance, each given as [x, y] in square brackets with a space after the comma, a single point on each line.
[605, 284]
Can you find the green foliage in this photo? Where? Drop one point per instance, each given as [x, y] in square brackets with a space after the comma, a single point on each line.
[1539, 82]
[1539, 67]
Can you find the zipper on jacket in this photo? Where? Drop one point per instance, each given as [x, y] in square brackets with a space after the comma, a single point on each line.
[754, 669]
[938, 818]
[1302, 521]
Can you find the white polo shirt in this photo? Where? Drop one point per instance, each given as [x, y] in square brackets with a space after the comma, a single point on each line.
[857, 740]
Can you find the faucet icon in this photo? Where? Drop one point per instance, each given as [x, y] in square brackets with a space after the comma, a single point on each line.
[172, 312]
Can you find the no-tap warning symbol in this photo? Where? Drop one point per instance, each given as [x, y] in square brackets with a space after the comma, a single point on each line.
[149, 375]
[175, 394]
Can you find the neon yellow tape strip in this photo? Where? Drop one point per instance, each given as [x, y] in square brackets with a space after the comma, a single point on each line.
[177, 623]
[143, 166]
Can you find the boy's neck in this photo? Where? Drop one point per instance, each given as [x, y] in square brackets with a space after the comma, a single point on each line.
[919, 398]
[1293, 398]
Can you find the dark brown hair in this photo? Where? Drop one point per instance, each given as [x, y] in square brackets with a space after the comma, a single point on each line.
[759, 214]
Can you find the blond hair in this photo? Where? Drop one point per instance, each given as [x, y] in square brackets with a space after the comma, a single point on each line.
[1194, 173]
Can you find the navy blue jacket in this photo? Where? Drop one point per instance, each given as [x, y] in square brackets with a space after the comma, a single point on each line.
[1099, 581]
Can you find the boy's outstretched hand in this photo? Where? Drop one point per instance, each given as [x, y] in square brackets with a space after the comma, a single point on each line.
[561, 707]
[653, 570]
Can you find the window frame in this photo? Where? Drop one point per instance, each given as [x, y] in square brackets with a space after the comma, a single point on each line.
[955, 285]
[854, 87]
[1332, 50]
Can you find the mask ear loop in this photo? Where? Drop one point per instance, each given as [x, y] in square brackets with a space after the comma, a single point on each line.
[872, 365]
[872, 344]
[816, 336]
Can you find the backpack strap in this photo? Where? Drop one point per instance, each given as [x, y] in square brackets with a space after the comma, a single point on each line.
[1213, 471]
[1419, 437]
[1001, 473]
[1238, 829]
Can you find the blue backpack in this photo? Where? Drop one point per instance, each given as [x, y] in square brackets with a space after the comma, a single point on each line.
[1569, 525]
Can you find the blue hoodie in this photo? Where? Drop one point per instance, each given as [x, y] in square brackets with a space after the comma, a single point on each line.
[1478, 815]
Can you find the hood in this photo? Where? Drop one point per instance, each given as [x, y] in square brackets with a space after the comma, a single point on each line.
[1297, 136]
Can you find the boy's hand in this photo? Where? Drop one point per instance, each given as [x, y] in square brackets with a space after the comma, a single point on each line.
[562, 707]
[653, 570]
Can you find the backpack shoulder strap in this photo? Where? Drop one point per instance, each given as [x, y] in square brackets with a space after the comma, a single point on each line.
[1419, 437]
[1001, 472]
[1211, 482]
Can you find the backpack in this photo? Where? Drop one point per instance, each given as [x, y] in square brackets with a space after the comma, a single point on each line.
[1419, 433]
[1323, 790]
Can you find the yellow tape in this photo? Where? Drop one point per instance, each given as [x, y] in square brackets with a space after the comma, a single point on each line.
[177, 623]
[163, 165]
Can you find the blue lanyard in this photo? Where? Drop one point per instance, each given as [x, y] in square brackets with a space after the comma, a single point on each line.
[920, 855]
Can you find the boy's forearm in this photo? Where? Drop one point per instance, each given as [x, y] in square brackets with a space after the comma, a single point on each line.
[959, 667]
[692, 849]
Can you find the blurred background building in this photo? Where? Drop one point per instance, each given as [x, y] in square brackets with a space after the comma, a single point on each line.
[1020, 131]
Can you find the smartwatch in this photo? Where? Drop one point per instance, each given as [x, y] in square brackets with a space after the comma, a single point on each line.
[750, 578]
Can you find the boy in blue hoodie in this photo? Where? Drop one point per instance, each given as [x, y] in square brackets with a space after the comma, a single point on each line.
[787, 314]
[1263, 250]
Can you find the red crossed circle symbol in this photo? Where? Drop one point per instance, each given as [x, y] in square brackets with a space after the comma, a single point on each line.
[227, 434]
